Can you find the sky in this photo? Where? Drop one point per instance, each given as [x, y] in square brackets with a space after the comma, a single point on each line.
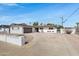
[39, 12]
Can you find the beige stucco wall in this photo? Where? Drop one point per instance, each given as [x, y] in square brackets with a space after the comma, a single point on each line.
[16, 30]
[64, 31]
[33, 29]
[13, 39]
[4, 30]
[73, 31]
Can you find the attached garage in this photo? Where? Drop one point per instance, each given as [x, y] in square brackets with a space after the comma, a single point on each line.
[27, 30]
[20, 29]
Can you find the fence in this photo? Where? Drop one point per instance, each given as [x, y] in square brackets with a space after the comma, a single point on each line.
[12, 38]
[73, 31]
[49, 30]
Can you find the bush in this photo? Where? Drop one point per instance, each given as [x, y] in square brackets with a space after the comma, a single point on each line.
[68, 31]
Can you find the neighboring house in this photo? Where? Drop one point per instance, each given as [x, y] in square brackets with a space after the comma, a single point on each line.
[45, 28]
[20, 29]
[23, 28]
[5, 28]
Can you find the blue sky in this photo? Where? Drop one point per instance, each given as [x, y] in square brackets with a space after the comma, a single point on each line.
[38, 12]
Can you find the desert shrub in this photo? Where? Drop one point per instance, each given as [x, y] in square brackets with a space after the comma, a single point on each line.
[68, 31]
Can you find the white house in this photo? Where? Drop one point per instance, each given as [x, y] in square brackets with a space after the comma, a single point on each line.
[20, 29]
[45, 28]
[5, 28]
[14, 33]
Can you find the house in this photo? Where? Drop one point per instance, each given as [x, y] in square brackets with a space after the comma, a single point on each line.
[24, 28]
[14, 36]
[45, 28]
[20, 28]
[5, 28]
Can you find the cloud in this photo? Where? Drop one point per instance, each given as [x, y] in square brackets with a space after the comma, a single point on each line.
[11, 4]
[13, 19]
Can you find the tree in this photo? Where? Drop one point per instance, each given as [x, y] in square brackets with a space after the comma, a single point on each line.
[59, 26]
[30, 23]
[54, 25]
[35, 24]
[50, 24]
[77, 23]
[41, 24]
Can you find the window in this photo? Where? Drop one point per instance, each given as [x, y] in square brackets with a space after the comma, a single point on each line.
[52, 31]
[48, 31]
[41, 28]
[50, 28]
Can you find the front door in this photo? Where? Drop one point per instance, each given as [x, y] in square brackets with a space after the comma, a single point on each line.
[36, 29]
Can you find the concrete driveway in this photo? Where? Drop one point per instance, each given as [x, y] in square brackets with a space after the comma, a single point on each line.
[44, 44]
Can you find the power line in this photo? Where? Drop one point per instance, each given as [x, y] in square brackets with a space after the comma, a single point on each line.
[71, 15]
[62, 20]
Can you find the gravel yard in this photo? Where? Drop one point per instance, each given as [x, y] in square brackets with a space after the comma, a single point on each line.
[43, 44]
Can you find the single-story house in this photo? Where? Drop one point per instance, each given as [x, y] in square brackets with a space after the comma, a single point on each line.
[44, 28]
[24, 28]
[5, 28]
[20, 28]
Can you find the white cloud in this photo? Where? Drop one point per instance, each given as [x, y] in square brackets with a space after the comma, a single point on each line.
[13, 19]
[9, 4]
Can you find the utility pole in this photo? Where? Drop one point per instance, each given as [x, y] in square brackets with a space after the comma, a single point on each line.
[62, 19]
[70, 15]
